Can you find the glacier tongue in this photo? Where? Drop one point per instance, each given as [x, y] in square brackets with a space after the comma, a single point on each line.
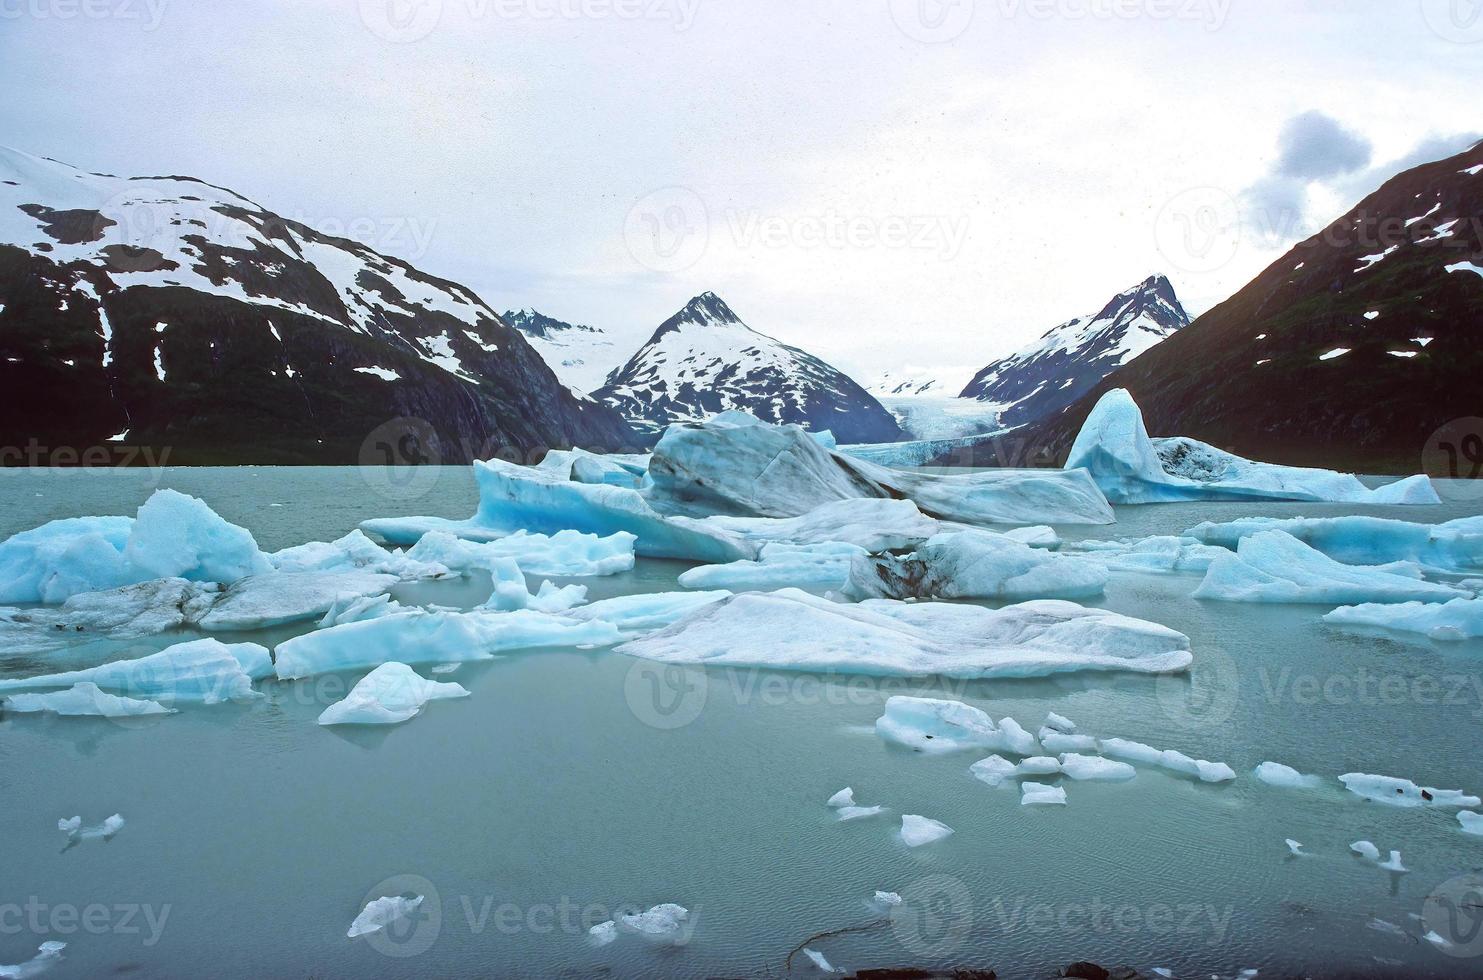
[1114, 447]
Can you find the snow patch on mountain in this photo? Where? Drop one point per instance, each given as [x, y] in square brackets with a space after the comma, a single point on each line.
[582, 356]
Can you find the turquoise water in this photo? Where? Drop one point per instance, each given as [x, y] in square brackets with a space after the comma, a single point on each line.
[575, 784]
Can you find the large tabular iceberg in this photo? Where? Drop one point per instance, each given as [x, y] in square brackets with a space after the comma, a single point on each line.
[1274, 566]
[1131, 468]
[933, 725]
[388, 695]
[205, 671]
[1459, 619]
[976, 564]
[793, 630]
[1456, 546]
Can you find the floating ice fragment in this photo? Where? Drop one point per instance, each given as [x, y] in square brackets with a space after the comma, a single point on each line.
[1274, 566]
[1276, 774]
[1456, 546]
[975, 564]
[993, 770]
[1210, 772]
[1403, 792]
[1041, 794]
[604, 932]
[1091, 767]
[817, 567]
[845, 797]
[1060, 723]
[73, 828]
[83, 699]
[47, 955]
[1455, 620]
[205, 671]
[358, 609]
[381, 913]
[1058, 742]
[933, 725]
[917, 830]
[1394, 863]
[886, 899]
[388, 695]
[859, 812]
[819, 961]
[1366, 850]
[1160, 553]
[1472, 823]
[645, 612]
[1296, 848]
[511, 596]
[665, 924]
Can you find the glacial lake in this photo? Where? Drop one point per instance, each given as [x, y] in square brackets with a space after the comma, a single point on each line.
[575, 784]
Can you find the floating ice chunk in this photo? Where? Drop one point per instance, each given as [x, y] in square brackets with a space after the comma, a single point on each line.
[510, 596]
[278, 598]
[1091, 767]
[107, 830]
[1472, 823]
[932, 725]
[642, 613]
[819, 961]
[1457, 619]
[976, 564]
[1274, 566]
[1060, 723]
[1456, 546]
[1366, 850]
[817, 567]
[569, 554]
[1041, 794]
[790, 629]
[665, 924]
[917, 830]
[388, 695]
[1394, 863]
[176, 536]
[1114, 447]
[858, 812]
[1163, 971]
[47, 956]
[1437, 940]
[205, 671]
[1039, 765]
[994, 770]
[53, 562]
[1276, 774]
[442, 669]
[1059, 742]
[604, 932]
[1036, 536]
[886, 899]
[353, 552]
[359, 609]
[1161, 553]
[867, 523]
[1209, 772]
[83, 699]
[1296, 848]
[845, 797]
[420, 637]
[145, 609]
[381, 913]
[1403, 792]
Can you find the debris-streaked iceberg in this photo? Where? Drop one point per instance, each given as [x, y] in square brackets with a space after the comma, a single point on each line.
[278, 598]
[793, 630]
[1114, 447]
[206, 671]
[388, 695]
[1274, 566]
[934, 725]
[1456, 546]
[975, 564]
[83, 699]
[1458, 619]
[1394, 791]
[917, 830]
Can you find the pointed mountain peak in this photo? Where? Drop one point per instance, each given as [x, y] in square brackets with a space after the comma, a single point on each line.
[705, 310]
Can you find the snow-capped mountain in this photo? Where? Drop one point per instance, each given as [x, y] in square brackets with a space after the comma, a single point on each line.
[910, 381]
[1357, 350]
[705, 360]
[165, 311]
[581, 356]
[1044, 378]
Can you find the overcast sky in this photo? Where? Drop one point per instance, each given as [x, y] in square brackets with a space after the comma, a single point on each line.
[882, 182]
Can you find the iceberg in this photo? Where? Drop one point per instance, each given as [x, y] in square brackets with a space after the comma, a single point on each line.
[666, 924]
[84, 699]
[353, 552]
[1130, 468]
[975, 564]
[994, 770]
[1286, 777]
[845, 797]
[570, 554]
[818, 960]
[1404, 793]
[1274, 566]
[1394, 863]
[205, 671]
[355, 610]
[604, 932]
[1456, 546]
[510, 596]
[1091, 767]
[1366, 850]
[1058, 742]
[933, 725]
[886, 899]
[867, 523]
[1457, 619]
[1209, 772]
[1060, 723]
[813, 567]
[382, 912]
[645, 612]
[857, 812]
[127, 612]
[1041, 794]
[73, 828]
[47, 955]
[1038, 536]
[388, 695]
[279, 598]
[917, 830]
[422, 637]
[176, 536]
[1295, 848]
[1161, 553]
[793, 630]
[1472, 823]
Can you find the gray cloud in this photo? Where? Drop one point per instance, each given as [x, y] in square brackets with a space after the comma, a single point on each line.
[1315, 147]
[1431, 149]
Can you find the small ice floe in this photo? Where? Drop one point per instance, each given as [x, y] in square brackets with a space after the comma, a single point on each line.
[666, 924]
[382, 912]
[84, 699]
[1041, 794]
[1091, 767]
[1205, 771]
[390, 694]
[47, 955]
[814, 567]
[1060, 723]
[443, 669]
[994, 770]
[204, 671]
[1276, 774]
[1452, 621]
[1296, 848]
[933, 725]
[845, 797]
[603, 933]
[858, 812]
[1472, 823]
[917, 830]
[886, 899]
[1403, 792]
[1275, 566]
[1394, 863]
[510, 596]
[73, 828]
[355, 609]
[1058, 742]
[1160, 554]
[1366, 850]
[1437, 940]
[819, 961]
[1162, 971]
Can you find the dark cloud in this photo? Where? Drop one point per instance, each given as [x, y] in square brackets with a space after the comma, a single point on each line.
[1315, 147]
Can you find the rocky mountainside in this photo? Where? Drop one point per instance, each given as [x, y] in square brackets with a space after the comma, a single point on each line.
[705, 360]
[1040, 381]
[1354, 351]
[167, 312]
[581, 356]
